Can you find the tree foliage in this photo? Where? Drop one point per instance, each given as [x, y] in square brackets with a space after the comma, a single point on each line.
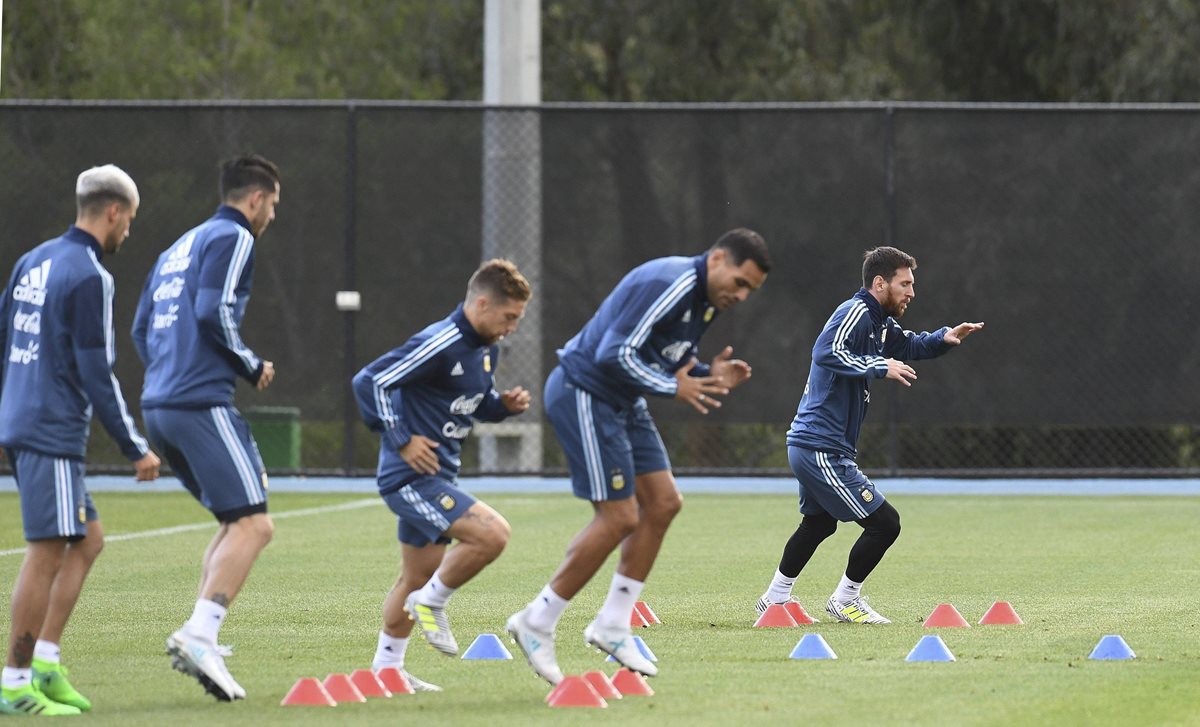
[608, 50]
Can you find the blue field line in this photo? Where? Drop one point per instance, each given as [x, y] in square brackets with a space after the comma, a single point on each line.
[707, 485]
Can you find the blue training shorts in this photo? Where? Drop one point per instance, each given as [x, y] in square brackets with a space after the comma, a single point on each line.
[833, 484]
[606, 446]
[214, 455]
[426, 507]
[54, 502]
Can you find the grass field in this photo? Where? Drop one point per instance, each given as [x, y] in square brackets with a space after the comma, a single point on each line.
[1074, 568]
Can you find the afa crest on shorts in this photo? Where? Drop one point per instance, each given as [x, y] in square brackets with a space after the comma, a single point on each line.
[447, 502]
[867, 495]
[618, 480]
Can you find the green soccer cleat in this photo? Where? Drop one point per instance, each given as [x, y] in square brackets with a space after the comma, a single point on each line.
[52, 681]
[29, 700]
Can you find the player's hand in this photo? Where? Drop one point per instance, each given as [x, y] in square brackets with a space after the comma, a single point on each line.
[731, 371]
[516, 400]
[267, 376]
[900, 371]
[699, 391]
[147, 467]
[955, 335]
[419, 454]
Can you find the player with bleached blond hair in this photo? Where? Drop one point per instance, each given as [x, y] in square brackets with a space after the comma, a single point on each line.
[56, 325]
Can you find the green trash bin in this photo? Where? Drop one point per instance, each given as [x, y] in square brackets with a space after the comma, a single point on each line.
[277, 431]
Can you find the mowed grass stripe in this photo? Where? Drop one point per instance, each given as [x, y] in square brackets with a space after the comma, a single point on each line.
[158, 532]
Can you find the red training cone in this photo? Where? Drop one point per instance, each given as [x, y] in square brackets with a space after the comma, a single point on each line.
[393, 680]
[368, 684]
[601, 683]
[630, 683]
[1001, 613]
[647, 612]
[798, 614]
[576, 692]
[776, 616]
[945, 616]
[637, 620]
[308, 692]
[342, 689]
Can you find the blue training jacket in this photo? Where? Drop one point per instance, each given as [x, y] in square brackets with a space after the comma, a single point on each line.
[433, 385]
[851, 351]
[186, 327]
[56, 321]
[644, 331]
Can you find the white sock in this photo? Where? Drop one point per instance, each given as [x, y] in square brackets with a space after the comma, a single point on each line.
[47, 651]
[390, 652]
[781, 588]
[435, 593]
[14, 678]
[847, 590]
[544, 611]
[206, 619]
[618, 607]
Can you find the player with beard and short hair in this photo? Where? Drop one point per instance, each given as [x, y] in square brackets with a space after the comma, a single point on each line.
[861, 341]
[423, 398]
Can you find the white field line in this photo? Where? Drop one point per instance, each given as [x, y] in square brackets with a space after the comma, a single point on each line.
[355, 505]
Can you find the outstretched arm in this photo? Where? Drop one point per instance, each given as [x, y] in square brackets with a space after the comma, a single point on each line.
[956, 335]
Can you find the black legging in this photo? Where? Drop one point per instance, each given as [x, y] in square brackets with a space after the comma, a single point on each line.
[880, 530]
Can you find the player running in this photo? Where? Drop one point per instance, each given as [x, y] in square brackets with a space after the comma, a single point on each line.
[422, 398]
[186, 332]
[861, 341]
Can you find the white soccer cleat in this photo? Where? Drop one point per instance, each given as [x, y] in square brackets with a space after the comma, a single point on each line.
[764, 603]
[419, 685]
[198, 658]
[618, 643]
[854, 611]
[538, 647]
[433, 623]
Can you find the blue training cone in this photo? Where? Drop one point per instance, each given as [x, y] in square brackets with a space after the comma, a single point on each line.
[1112, 647]
[812, 646]
[930, 648]
[646, 652]
[486, 646]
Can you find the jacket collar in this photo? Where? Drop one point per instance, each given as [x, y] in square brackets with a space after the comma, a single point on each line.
[74, 234]
[225, 212]
[876, 310]
[470, 335]
[701, 263]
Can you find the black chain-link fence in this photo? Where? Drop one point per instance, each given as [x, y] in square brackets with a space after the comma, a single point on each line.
[1069, 230]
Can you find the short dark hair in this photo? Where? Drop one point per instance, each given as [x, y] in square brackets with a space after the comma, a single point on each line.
[499, 279]
[885, 261]
[742, 244]
[241, 175]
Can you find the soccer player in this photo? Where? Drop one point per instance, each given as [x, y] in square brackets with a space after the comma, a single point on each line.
[421, 398]
[186, 332]
[57, 328]
[642, 340]
[861, 341]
